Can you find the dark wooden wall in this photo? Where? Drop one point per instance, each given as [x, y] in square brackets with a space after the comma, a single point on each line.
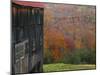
[27, 39]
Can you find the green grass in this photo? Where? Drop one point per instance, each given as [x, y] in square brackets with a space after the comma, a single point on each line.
[66, 67]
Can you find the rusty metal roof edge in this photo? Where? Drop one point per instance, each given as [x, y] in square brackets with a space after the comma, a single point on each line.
[29, 4]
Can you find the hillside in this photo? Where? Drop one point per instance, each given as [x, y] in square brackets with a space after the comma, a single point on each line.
[68, 28]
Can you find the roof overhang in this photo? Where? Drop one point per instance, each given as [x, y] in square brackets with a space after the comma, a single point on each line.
[30, 3]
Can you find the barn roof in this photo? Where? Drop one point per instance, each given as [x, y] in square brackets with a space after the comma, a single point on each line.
[30, 3]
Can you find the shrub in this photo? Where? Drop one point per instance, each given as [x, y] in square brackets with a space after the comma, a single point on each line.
[81, 56]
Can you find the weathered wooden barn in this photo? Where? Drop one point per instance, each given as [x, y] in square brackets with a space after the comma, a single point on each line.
[27, 37]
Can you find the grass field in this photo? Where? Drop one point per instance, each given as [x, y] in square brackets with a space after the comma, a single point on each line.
[66, 67]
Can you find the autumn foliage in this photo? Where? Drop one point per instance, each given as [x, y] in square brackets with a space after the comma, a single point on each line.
[67, 29]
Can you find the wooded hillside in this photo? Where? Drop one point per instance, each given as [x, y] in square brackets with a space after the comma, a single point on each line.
[69, 33]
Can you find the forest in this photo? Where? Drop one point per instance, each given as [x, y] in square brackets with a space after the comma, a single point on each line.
[69, 34]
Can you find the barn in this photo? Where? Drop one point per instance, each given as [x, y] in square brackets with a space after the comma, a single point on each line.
[27, 37]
